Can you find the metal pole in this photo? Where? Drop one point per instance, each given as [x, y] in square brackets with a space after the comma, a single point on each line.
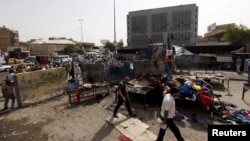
[114, 25]
[81, 29]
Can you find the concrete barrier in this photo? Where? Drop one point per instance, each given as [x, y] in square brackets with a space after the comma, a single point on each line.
[115, 73]
[39, 85]
[92, 73]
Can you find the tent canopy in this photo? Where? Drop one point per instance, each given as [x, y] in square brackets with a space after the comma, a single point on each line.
[181, 51]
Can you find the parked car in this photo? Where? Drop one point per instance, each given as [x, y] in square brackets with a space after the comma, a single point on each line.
[13, 61]
[4, 68]
[60, 59]
[98, 58]
[30, 59]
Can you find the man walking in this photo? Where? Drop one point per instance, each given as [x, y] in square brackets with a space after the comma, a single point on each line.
[8, 93]
[167, 114]
[123, 97]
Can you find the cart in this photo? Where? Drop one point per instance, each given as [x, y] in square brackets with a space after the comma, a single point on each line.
[87, 91]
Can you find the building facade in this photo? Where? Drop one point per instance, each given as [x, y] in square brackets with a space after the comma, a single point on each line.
[216, 33]
[50, 46]
[150, 25]
[8, 38]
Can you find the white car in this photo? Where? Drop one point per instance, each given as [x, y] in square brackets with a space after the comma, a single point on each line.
[98, 58]
[4, 68]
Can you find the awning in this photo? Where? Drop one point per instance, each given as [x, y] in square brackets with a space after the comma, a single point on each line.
[207, 55]
[225, 59]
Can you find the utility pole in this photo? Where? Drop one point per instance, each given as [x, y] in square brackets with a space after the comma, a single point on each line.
[114, 25]
[81, 29]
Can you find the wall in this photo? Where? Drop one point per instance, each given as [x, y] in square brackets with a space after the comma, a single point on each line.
[17, 53]
[38, 49]
[8, 38]
[115, 73]
[5, 39]
[45, 49]
[92, 73]
[39, 85]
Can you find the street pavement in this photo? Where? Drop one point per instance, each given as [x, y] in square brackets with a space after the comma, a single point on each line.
[235, 76]
[231, 75]
[91, 116]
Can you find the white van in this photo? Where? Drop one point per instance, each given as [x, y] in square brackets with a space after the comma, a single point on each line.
[61, 59]
[98, 58]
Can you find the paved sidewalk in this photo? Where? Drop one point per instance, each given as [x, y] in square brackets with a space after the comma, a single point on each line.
[132, 128]
[235, 75]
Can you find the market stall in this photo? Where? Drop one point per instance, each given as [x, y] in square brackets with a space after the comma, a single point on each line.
[78, 93]
[192, 89]
[148, 86]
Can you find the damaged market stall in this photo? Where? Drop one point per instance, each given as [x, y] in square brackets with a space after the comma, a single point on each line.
[227, 113]
[185, 58]
[195, 90]
[78, 93]
[148, 86]
[92, 86]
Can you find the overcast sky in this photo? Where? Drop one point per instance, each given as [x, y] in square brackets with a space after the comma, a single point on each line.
[60, 18]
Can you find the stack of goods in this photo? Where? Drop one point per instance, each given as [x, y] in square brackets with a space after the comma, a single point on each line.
[231, 114]
[193, 90]
[155, 80]
[198, 91]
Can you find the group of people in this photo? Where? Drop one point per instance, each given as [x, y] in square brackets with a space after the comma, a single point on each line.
[168, 110]
[73, 70]
[167, 114]
[8, 87]
[29, 67]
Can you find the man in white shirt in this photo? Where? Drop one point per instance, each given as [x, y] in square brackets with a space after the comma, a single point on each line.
[11, 76]
[77, 71]
[168, 112]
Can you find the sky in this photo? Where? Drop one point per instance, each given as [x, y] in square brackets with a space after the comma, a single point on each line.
[36, 19]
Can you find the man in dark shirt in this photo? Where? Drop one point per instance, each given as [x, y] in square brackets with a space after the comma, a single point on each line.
[123, 97]
[8, 93]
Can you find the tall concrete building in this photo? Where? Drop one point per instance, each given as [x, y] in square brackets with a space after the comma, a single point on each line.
[150, 25]
[8, 38]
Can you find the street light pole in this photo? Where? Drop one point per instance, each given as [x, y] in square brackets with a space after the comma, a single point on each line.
[81, 29]
[114, 25]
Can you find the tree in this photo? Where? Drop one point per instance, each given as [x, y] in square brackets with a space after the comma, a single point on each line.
[237, 35]
[71, 49]
[110, 46]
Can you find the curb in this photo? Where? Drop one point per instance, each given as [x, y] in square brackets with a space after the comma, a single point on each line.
[237, 79]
